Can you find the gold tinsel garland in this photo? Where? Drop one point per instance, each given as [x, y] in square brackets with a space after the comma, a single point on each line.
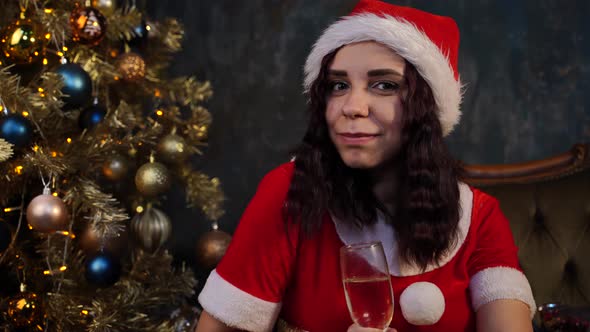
[122, 22]
[124, 116]
[197, 126]
[172, 33]
[8, 83]
[43, 159]
[99, 69]
[204, 192]
[56, 22]
[48, 99]
[105, 216]
[5, 150]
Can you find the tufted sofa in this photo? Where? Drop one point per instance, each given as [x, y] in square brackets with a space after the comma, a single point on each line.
[548, 204]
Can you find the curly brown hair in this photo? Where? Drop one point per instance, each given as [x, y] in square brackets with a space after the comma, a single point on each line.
[427, 204]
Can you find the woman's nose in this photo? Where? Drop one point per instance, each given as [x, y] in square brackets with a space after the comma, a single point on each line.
[356, 104]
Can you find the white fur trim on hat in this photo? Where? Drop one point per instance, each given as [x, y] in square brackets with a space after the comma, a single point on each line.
[500, 283]
[422, 303]
[406, 40]
[236, 308]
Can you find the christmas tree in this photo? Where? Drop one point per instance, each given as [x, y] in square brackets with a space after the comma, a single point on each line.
[92, 137]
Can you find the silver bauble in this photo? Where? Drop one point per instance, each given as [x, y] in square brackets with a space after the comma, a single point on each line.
[151, 228]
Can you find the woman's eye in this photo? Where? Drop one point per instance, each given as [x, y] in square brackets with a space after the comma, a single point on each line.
[386, 86]
[338, 86]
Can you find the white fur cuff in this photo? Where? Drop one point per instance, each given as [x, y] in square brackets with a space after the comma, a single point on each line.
[236, 308]
[500, 283]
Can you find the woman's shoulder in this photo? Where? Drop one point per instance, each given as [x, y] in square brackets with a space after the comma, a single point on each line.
[275, 184]
[487, 216]
[264, 211]
[284, 171]
[483, 203]
[279, 177]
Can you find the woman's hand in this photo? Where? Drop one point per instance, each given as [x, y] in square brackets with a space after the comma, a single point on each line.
[356, 328]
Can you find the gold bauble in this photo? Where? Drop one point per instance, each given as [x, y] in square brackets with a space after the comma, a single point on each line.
[211, 247]
[25, 310]
[151, 228]
[131, 66]
[152, 179]
[115, 168]
[91, 242]
[107, 7]
[172, 148]
[88, 25]
[23, 42]
[47, 213]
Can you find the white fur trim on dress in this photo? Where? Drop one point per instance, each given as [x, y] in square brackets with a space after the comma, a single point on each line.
[422, 303]
[236, 308]
[384, 232]
[500, 283]
[406, 40]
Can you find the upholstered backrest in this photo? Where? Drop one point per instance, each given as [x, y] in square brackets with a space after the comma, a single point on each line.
[548, 205]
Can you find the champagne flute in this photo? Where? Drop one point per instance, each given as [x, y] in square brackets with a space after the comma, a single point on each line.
[367, 284]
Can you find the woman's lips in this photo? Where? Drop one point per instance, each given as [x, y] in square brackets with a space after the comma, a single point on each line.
[356, 138]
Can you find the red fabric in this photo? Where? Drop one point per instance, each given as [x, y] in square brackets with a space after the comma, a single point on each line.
[495, 244]
[443, 31]
[261, 256]
[305, 274]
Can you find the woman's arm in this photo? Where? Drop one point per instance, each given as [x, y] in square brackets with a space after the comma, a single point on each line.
[504, 316]
[208, 323]
[246, 288]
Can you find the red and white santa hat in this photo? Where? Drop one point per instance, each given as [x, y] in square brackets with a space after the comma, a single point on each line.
[429, 42]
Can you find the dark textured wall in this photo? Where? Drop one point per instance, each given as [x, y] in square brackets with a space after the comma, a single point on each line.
[525, 63]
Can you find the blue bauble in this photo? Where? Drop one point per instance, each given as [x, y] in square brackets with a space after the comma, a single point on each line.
[16, 129]
[91, 116]
[102, 269]
[77, 86]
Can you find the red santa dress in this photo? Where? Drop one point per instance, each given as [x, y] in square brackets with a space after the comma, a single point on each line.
[270, 272]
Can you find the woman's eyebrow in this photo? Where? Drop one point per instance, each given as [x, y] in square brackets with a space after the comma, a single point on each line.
[341, 73]
[383, 72]
[370, 73]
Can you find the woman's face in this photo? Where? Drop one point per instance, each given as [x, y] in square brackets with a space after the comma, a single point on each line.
[364, 104]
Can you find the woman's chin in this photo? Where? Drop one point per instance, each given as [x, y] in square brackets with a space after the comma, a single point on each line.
[359, 163]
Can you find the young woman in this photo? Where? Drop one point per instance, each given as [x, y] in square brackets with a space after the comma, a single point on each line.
[373, 166]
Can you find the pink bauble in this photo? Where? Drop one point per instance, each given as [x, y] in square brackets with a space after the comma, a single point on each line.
[47, 213]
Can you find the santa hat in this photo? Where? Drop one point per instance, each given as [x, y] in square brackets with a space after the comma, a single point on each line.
[429, 42]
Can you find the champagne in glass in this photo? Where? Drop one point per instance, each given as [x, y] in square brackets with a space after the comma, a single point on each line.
[367, 284]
